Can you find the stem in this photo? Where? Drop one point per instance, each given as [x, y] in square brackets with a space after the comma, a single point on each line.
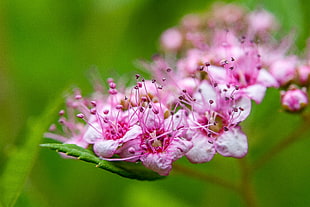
[292, 138]
[246, 188]
[205, 177]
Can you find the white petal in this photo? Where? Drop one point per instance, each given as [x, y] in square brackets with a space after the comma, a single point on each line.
[130, 149]
[232, 143]
[266, 79]
[178, 148]
[92, 133]
[132, 133]
[158, 163]
[217, 74]
[255, 92]
[202, 151]
[105, 148]
[241, 115]
[205, 93]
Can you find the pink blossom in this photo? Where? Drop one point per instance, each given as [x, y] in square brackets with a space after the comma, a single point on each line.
[213, 123]
[284, 70]
[171, 39]
[294, 99]
[304, 74]
[261, 22]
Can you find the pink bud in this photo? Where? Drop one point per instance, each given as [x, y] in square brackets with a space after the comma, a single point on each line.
[171, 39]
[81, 116]
[304, 74]
[294, 99]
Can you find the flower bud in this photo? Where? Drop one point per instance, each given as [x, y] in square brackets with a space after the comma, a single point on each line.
[294, 99]
[171, 39]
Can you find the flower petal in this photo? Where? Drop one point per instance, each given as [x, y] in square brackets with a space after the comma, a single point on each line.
[105, 148]
[266, 79]
[202, 151]
[232, 143]
[158, 162]
[255, 92]
[132, 133]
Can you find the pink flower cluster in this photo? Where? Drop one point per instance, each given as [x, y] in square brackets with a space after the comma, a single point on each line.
[202, 89]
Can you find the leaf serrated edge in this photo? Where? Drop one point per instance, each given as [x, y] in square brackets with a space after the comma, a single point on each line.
[91, 158]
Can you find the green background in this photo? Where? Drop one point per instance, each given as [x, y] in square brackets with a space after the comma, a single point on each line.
[47, 46]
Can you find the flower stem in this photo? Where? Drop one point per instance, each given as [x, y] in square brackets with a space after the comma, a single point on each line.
[246, 188]
[283, 144]
[205, 177]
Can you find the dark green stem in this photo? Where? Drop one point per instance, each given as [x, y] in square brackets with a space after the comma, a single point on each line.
[246, 188]
[283, 144]
[204, 177]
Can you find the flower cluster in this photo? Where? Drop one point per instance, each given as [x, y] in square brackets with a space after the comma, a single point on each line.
[202, 89]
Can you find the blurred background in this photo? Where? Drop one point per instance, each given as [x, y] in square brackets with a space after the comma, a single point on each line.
[48, 45]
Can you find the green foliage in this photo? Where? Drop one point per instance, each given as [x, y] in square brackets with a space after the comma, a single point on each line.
[46, 45]
[22, 158]
[125, 169]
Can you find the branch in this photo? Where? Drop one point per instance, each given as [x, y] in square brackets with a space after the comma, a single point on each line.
[282, 145]
[205, 177]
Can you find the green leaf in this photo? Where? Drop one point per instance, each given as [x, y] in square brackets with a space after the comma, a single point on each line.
[21, 158]
[124, 169]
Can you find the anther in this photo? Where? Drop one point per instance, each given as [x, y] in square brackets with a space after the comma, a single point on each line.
[168, 70]
[139, 84]
[211, 101]
[131, 150]
[119, 106]
[155, 111]
[137, 76]
[110, 80]
[93, 111]
[112, 85]
[52, 127]
[78, 97]
[93, 103]
[81, 116]
[112, 91]
[61, 112]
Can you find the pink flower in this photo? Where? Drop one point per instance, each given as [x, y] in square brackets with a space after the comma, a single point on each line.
[294, 99]
[304, 74]
[213, 123]
[244, 72]
[171, 39]
[284, 70]
[261, 22]
[73, 129]
[161, 141]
